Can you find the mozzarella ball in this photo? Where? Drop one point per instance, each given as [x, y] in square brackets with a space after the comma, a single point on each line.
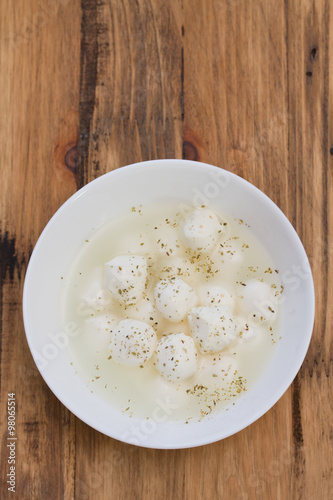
[216, 295]
[132, 342]
[213, 328]
[166, 239]
[126, 277]
[247, 331]
[173, 298]
[144, 311]
[255, 302]
[231, 253]
[176, 356]
[174, 266]
[200, 230]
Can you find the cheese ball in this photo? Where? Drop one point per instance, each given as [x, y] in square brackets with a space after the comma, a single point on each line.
[200, 230]
[216, 295]
[176, 357]
[132, 342]
[174, 298]
[247, 331]
[213, 328]
[125, 277]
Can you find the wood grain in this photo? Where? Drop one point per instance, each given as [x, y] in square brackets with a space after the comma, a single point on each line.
[39, 81]
[89, 87]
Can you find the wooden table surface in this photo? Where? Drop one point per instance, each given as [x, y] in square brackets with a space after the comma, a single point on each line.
[88, 87]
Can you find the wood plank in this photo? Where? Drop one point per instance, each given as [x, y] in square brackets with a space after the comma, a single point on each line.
[309, 80]
[130, 110]
[130, 100]
[263, 115]
[236, 109]
[39, 84]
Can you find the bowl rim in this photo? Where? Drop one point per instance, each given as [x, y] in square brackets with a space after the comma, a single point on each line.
[157, 164]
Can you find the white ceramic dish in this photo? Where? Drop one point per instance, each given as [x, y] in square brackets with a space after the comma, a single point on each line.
[113, 194]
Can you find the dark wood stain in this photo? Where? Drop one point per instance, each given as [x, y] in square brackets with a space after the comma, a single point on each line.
[298, 440]
[314, 54]
[190, 152]
[88, 82]
[8, 264]
[193, 148]
[182, 96]
[8, 257]
[72, 158]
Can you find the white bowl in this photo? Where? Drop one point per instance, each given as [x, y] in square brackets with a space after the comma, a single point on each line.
[113, 194]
